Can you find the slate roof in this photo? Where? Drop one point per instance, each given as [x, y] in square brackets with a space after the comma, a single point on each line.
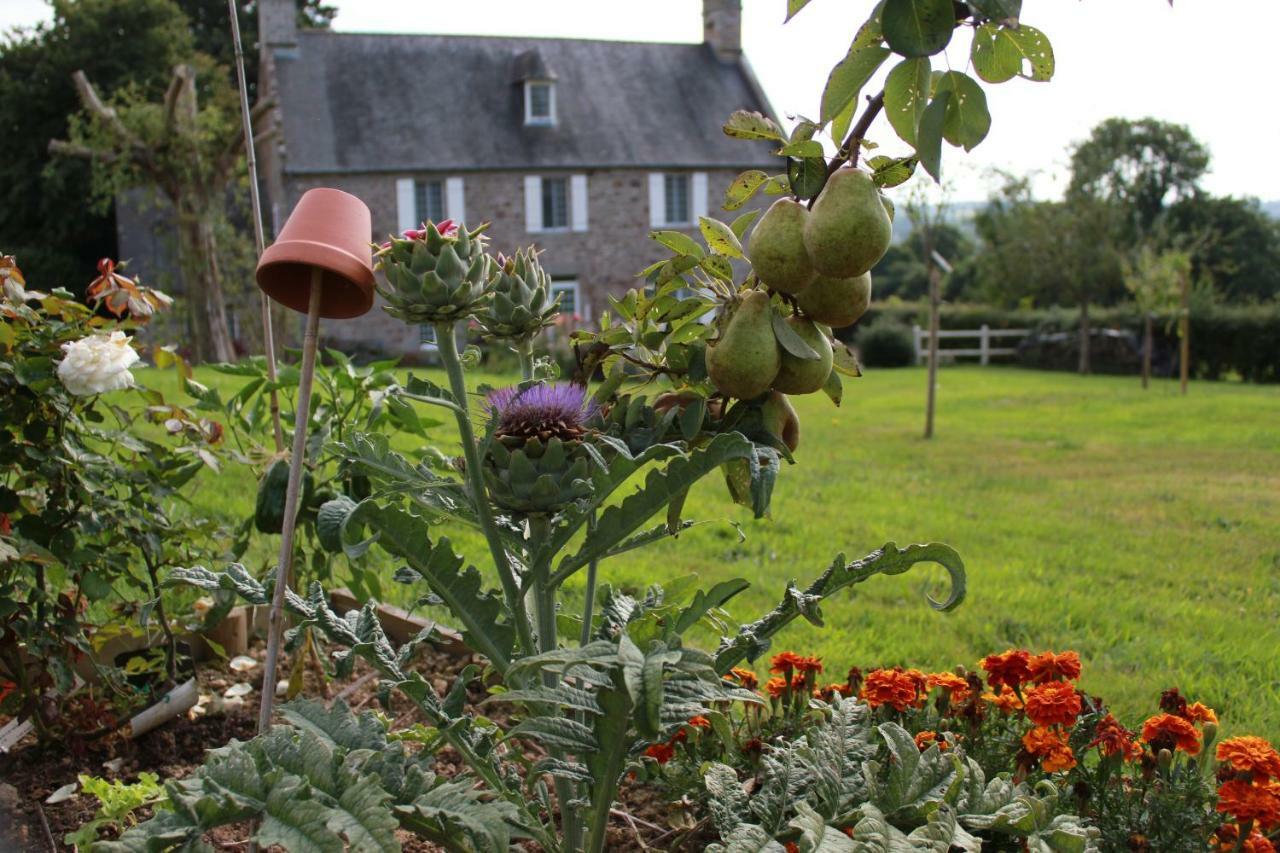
[354, 102]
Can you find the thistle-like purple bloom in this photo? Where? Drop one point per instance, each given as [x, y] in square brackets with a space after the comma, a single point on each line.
[541, 411]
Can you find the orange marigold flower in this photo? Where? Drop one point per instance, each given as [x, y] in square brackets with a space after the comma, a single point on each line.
[745, 677]
[679, 737]
[792, 847]
[1050, 746]
[1224, 840]
[1006, 700]
[1054, 666]
[798, 681]
[785, 662]
[1111, 738]
[1166, 731]
[1053, 703]
[700, 722]
[950, 682]
[1011, 667]
[809, 664]
[1251, 754]
[829, 692]
[660, 752]
[894, 687]
[1245, 802]
[776, 687]
[926, 739]
[1198, 713]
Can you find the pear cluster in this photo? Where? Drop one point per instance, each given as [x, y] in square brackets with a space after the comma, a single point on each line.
[823, 257]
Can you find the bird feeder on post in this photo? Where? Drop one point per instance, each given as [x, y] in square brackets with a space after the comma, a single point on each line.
[321, 265]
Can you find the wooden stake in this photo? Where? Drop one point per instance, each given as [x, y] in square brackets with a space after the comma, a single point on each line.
[268, 334]
[935, 298]
[297, 461]
[1184, 329]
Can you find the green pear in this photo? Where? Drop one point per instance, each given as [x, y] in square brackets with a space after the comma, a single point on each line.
[837, 302]
[776, 249]
[780, 418]
[745, 359]
[848, 229]
[804, 376]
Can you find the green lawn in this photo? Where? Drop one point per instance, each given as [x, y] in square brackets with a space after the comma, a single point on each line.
[1141, 529]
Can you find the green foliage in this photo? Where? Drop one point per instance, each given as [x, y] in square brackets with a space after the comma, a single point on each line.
[1140, 166]
[90, 504]
[327, 780]
[885, 343]
[117, 801]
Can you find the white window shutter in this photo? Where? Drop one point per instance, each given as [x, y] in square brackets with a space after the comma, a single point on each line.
[657, 200]
[698, 189]
[532, 204]
[406, 208]
[578, 203]
[455, 206]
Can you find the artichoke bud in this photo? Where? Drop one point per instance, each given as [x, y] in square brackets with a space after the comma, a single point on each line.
[537, 476]
[521, 303]
[433, 276]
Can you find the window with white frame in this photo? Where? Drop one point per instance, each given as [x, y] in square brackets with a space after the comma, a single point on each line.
[568, 293]
[427, 336]
[677, 199]
[428, 201]
[539, 103]
[555, 203]
[420, 200]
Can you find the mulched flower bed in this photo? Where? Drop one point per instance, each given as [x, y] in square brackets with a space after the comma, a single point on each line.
[31, 773]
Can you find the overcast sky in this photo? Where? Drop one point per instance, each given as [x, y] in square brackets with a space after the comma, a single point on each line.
[1205, 63]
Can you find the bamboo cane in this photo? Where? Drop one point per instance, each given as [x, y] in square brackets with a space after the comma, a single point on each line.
[268, 335]
[297, 462]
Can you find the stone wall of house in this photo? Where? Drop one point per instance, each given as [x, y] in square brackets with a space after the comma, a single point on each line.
[604, 259]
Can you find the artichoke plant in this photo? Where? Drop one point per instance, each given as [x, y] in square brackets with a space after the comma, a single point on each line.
[521, 303]
[435, 274]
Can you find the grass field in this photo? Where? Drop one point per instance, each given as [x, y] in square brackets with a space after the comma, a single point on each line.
[1141, 529]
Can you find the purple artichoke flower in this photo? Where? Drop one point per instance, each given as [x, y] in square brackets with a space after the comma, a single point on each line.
[541, 411]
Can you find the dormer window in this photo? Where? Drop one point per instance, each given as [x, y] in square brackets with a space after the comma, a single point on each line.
[540, 103]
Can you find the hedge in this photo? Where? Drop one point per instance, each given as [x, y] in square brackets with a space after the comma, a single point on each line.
[1226, 341]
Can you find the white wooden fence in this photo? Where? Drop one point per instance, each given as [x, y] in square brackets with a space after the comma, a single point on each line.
[983, 351]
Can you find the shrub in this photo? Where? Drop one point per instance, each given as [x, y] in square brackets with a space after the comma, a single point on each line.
[886, 343]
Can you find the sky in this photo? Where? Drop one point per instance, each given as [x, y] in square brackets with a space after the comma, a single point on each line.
[1204, 63]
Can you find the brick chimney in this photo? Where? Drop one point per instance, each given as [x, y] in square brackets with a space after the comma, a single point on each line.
[722, 28]
[277, 24]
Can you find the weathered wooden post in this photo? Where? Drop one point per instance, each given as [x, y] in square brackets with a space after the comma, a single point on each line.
[323, 265]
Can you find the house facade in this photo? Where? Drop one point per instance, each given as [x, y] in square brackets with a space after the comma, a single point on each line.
[578, 147]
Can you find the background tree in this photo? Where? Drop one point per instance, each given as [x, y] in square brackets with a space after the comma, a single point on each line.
[1140, 166]
[43, 215]
[1155, 280]
[188, 146]
[1051, 253]
[1236, 245]
[902, 273]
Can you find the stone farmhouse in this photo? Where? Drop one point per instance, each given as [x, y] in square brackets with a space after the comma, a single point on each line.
[579, 147]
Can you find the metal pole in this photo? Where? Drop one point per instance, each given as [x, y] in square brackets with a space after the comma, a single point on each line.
[297, 460]
[268, 336]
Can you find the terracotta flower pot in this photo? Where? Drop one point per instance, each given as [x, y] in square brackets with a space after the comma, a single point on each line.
[328, 229]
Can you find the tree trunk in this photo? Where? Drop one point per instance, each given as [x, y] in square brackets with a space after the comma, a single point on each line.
[197, 250]
[1084, 337]
[214, 298]
[1146, 351]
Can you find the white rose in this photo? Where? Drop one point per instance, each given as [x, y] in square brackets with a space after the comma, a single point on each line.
[97, 364]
